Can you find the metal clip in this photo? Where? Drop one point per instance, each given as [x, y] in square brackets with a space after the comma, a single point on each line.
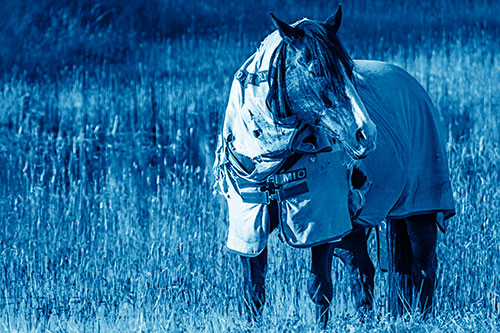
[271, 196]
[268, 197]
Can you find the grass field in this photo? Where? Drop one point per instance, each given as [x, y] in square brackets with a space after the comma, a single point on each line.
[108, 221]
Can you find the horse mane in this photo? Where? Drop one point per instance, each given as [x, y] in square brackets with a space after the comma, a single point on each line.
[321, 37]
[331, 63]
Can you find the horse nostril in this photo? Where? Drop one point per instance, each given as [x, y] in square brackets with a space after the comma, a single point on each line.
[360, 135]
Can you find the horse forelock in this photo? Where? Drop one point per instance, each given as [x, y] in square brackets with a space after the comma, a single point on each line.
[320, 38]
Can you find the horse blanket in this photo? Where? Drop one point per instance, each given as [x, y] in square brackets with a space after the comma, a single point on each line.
[409, 167]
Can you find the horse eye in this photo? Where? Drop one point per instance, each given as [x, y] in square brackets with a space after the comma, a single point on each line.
[315, 69]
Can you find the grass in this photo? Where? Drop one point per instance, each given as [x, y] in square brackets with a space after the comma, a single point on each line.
[108, 218]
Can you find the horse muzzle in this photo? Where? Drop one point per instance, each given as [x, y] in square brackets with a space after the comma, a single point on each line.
[363, 145]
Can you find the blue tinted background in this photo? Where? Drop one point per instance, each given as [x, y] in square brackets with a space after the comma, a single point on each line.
[109, 112]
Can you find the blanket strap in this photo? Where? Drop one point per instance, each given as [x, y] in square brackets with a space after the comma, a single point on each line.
[259, 196]
[256, 197]
[245, 78]
[291, 192]
[273, 188]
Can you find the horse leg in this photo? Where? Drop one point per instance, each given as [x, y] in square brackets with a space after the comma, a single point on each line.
[255, 270]
[414, 255]
[353, 252]
[320, 283]
[422, 231]
[254, 276]
[400, 279]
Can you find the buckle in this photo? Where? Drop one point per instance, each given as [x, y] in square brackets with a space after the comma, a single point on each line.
[268, 197]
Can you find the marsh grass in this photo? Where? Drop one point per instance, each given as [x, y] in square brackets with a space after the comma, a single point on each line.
[108, 218]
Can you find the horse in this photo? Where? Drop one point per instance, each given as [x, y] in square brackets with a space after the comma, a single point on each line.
[366, 137]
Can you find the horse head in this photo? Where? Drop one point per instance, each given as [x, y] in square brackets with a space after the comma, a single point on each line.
[318, 79]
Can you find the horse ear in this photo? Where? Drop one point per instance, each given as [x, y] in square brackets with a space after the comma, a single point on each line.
[334, 19]
[287, 32]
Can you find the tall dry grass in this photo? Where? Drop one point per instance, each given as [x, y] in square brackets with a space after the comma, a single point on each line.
[109, 223]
